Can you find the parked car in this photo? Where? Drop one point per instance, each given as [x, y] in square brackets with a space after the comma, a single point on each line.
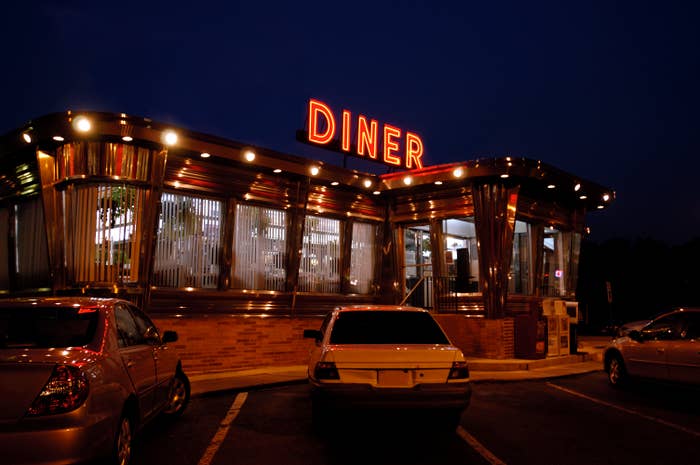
[372, 356]
[79, 376]
[667, 349]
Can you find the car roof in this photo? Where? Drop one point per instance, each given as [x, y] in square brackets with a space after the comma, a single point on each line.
[58, 302]
[381, 308]
[678, 310]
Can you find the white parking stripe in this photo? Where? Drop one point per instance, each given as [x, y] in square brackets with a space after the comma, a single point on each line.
[477, 446]
[626, 410]
[220, 435]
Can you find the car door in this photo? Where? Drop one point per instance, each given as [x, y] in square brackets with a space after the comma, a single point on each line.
[164, 357]
[647, 357]
[684, 354]
[138, 357]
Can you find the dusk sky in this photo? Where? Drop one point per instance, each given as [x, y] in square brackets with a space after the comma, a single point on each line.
[606, 90]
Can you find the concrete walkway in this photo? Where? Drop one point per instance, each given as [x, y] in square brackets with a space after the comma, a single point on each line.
[588, 359]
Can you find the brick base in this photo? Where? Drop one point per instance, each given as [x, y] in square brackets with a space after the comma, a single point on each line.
[211, 343]
[220, 342]
[480, 337]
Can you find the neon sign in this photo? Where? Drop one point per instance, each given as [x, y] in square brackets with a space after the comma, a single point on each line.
[398, 148]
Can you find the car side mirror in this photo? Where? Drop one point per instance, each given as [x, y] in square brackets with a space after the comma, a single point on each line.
[169, 336]
[635, 335]
[313, 334]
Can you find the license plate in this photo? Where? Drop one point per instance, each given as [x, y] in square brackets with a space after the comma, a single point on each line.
[395, 378]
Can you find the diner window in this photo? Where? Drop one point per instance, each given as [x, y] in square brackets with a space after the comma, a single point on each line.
[259, 248]
[320, 256]
[103, 232]
[519, 276]
[362, 258]
[461, 253]
[188, 242]
[561, 257]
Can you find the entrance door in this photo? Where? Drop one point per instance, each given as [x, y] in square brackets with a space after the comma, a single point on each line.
[418, 265]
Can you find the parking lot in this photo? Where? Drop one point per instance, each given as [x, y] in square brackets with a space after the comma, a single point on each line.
[574, 420]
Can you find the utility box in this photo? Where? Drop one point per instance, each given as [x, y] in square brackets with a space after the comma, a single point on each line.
[557, 335]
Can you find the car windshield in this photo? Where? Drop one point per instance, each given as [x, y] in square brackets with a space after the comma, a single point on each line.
[382, 327]
[46, 327]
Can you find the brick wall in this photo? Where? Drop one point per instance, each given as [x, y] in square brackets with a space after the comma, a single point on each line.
[222, 342]
[211, 343]
[480, 337]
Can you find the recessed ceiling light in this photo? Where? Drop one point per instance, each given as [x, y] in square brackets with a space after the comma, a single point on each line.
[127, 138]
[335, 183]
[505, 175]
[58, 138]
[438, 183]
[376, 192]
[577, 187]
[551, 186]
[82, 124]
[170, 137]
[26, 137]
[277, 170]
[205, 154]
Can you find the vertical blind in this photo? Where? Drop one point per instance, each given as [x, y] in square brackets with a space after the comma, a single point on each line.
[362, 257]
[320, 256]
[103, 232]
[31, 248]
[259, 248]
[188, 242]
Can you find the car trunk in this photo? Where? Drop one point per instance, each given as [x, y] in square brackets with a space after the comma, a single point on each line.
[392, 365]
[24, 373]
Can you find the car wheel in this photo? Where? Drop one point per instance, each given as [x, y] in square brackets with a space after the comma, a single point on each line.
[616, 371]
[121, 454]
[178, 396]
[319, 416]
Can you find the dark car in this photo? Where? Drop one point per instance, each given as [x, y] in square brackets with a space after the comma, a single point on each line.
[79, 376]
[667, 348]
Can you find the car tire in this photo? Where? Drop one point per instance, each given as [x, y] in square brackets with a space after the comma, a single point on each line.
[178, 396]
[617, 373]
[121, 451]
[448, 420]
[320, 416]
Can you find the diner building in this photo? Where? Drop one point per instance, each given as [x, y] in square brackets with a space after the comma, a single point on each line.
[240, 248]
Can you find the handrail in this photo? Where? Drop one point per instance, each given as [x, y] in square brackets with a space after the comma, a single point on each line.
[409, 293]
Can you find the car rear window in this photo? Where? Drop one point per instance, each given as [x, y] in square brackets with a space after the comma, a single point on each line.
[47, 327]
[381, 327]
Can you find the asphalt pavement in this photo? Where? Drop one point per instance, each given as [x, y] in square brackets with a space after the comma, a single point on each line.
[588, 358]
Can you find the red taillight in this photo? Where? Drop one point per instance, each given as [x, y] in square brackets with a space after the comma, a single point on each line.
[459, 370]
[326, 370]
[65, 390]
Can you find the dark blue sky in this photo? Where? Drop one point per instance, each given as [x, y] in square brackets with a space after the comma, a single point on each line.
[606, 90]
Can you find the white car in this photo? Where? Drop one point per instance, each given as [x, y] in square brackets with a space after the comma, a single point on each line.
[666, 349]
[387, 357]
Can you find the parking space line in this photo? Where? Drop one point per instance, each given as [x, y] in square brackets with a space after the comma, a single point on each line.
[224, 426]
[477, 446]
[627, 410]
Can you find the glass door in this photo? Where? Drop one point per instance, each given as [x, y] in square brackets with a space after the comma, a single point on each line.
[418, 265]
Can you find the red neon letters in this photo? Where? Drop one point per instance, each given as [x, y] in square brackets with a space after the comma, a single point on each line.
[367, 137]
